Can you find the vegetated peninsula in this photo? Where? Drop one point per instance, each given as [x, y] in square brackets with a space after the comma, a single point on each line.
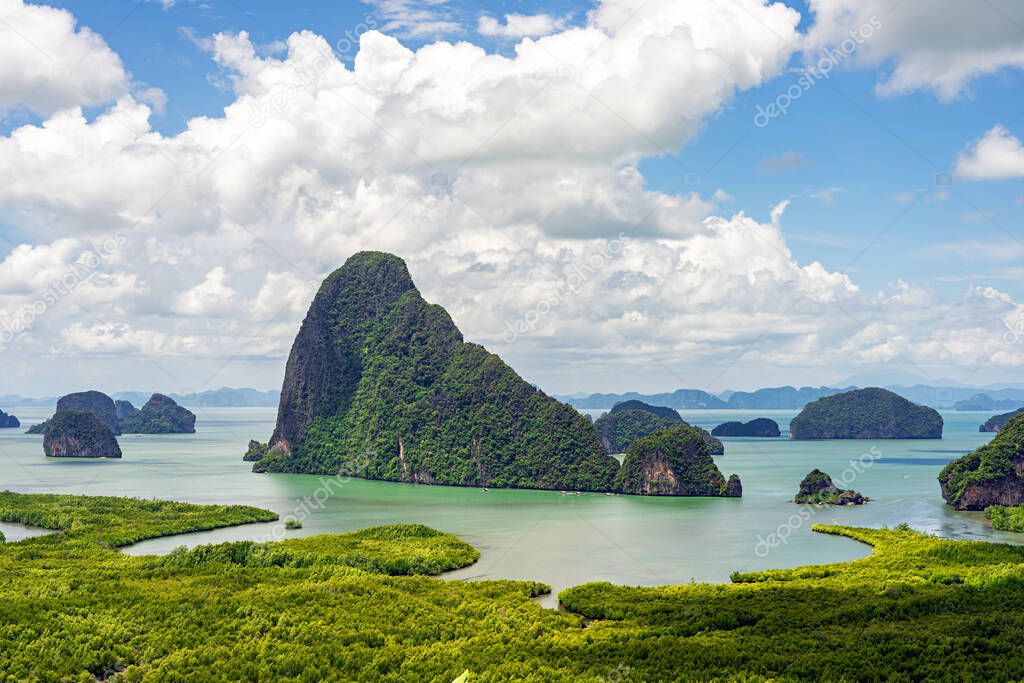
[761, 426]
[630, 420]
[79, 434]
[996, 422]
[380, 384]
[991, 475]
[674, 462]
[817, 489]
[866, 414]
[160, 415]
[8, 421]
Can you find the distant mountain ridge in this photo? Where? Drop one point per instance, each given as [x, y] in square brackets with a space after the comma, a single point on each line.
[225, 397]
[791, 398]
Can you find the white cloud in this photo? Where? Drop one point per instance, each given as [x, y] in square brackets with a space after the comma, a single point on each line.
[47, 64]
[495, 176]
[520, 26]
[417, 18]
[997, 155]
[941, 45]
[211, 297]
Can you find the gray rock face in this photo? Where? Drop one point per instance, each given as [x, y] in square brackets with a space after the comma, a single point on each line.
[817, 488]
[124, 409]
[95, 402]
[8, 421]
[79, 434]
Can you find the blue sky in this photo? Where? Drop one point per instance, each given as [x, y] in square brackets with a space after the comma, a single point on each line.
[869, 176]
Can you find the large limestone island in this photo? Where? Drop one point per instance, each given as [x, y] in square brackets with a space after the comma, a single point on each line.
[630, 420]
[996, 422]
[380, 384]
[866, 414]
[8, 421]
[160, 415]
[991, 475]
[674, 462]
[79, 434]
[761, 426]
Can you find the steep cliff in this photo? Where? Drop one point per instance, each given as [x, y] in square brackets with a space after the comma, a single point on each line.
[673, 462]
[79, 434]
[380, 383]
[991, 475]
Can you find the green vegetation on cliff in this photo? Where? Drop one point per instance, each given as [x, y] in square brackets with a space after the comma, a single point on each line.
[79, 434]
[991, 475]
[333, 608]
[160, 415]
[381, 385]
[627, 422]
[866, 414]
[673, 462]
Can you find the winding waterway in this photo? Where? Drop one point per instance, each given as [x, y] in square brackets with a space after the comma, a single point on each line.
[562, 540]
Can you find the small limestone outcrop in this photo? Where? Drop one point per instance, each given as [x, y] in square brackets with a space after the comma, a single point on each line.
[996, 422]
[673, 462]
[866, 414]
[817, 489]
[79, 434]
[762, 427]
[160, 415]
[8, 421]
[991, 475]
[256, 451]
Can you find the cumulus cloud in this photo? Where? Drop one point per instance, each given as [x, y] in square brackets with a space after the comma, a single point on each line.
[998, 155]
[47, 63]
[511, 185]
[520, 25]
[940, 46]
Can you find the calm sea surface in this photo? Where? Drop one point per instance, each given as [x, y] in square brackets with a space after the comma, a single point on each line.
[562, 540]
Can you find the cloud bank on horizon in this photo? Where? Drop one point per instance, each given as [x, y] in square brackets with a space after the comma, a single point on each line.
[511, 184]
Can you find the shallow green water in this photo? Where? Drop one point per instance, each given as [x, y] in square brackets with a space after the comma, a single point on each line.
[563, 540]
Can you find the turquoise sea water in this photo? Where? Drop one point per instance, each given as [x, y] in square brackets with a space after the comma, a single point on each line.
[563, 540]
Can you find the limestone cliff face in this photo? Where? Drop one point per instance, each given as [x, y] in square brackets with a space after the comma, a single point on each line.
[991, 475]
[673, 462]
[866, 414]
[8, 421]
[79, 434]
[380, 383]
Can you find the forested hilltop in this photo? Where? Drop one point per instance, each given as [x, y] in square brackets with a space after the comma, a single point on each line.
[358, 607]
[381, 384]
